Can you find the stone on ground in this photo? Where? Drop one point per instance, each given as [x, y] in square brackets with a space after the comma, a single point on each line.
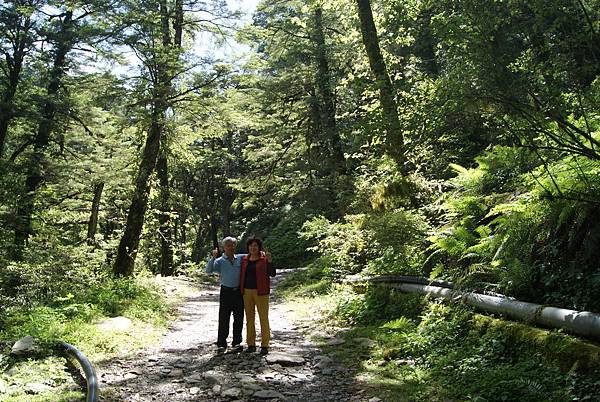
[36, 388]
[231, 392]
[267, 394]
[24, 345]
[285, 359]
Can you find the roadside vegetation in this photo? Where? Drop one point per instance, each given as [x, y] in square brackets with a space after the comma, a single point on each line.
[80, 312]
[413, 348]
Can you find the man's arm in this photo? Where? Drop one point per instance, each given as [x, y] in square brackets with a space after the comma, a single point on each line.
[212, 265]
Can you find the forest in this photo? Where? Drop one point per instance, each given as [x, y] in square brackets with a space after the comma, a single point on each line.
[455, 140]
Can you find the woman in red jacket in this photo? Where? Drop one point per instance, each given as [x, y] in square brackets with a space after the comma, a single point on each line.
[255, 285]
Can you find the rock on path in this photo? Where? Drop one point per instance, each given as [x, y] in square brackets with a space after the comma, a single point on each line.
[184, 366]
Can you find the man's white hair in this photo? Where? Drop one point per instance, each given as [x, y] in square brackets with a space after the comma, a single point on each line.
[229, 240]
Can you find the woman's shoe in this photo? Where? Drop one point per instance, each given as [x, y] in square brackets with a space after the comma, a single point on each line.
[264, 350]
[250, 349]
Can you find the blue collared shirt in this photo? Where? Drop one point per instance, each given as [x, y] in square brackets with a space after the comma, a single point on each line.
[228, 271]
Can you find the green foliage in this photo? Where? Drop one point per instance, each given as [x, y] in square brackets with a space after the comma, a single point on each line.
[344, 246]
[539, 245]
[130, 297]
[74, 318]
[284, 242]
[377, 304]
[430, 350]
[307, 282]
[50, 272]
[377, 243]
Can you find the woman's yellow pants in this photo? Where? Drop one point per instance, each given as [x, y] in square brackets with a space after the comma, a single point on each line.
[253, 302]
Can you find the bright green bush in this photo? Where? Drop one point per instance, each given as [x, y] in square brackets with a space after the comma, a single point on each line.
[521, 229]
[377, 243]
[344, 246]
[375, 305]
[289, 249]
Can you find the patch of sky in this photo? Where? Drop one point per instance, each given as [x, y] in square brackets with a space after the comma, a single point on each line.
[207, 47]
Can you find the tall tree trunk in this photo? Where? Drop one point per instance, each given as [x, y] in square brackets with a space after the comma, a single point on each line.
[213, 231]
[164, 218]
[181, 240]
[178, 22]
[325, 95]
[166, 230]
[130, 241]
[93, 222]
[228, 195]
[394, 137]
[199, 242]
[5, 117]
[129, 244]
[35, 173]
[7, 109]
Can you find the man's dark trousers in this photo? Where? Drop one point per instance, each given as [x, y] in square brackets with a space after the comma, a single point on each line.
[230, 301]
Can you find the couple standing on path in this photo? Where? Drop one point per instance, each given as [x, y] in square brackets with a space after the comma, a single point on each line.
[245, 286]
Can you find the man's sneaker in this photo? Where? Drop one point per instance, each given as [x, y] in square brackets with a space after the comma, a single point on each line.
[250, 349]
[221, 350]
[237, 349]
[264, 350]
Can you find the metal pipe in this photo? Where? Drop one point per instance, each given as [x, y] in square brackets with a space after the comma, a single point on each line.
[88, 369]
[582, 323]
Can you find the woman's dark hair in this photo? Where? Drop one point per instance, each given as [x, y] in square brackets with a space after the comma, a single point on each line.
[256, 240]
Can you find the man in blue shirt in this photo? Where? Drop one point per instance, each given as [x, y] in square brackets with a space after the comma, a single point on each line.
[228, 266]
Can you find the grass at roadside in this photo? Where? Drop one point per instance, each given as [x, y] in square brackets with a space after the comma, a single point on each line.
[148, 302]
[412, 348]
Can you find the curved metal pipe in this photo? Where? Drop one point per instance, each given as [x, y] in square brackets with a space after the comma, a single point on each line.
[410, 279]
[582, 323]
[88, 369]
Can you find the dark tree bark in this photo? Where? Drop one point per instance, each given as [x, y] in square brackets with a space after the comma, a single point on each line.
[178, 22]
[181, 239]
[166, 230]
[129, 244]
[325, 95]
[201, 234]
[164, 219]
[35, 173]
[213, 231]
[93, 222]
[228, 196]
[394, 137]
[20, 40]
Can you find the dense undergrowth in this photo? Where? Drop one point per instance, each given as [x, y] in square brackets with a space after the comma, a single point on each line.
[43, 300]
[425, 349]
[511, 223]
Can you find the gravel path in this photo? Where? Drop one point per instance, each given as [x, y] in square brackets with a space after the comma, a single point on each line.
[184, 366]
